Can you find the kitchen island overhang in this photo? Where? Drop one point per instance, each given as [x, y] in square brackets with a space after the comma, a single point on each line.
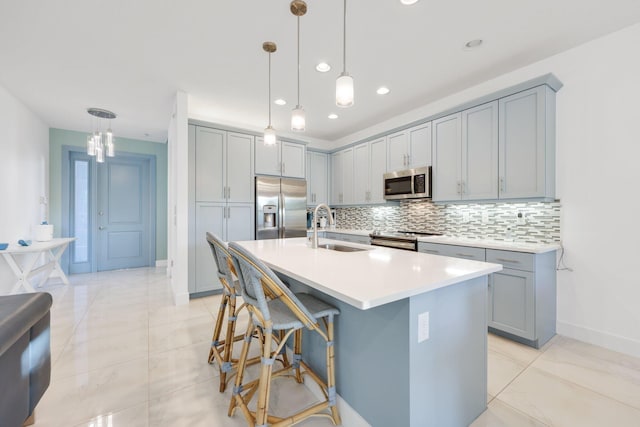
[383, 371]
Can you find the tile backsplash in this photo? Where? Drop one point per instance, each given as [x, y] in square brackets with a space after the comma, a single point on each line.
[540, 221]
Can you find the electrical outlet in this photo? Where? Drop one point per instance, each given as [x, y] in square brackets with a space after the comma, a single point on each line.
[423, 326]
[465, 217]
[485, 217]
[520, 220]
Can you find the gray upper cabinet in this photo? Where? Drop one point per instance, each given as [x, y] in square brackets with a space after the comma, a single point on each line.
[527, 144]
[465, 153]
[447, 154]
[239, 168]
[377, 168]
[370, 162]
[282, 159]
[210, 164]
[342, 176]
[317, 178]
[480, 152]
[409, 148]
[215, 151]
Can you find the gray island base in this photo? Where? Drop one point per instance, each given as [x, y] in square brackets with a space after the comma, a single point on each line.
[392, 369]
[389, 378]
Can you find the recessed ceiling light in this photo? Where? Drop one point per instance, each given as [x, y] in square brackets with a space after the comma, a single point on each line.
[472, 44]
[323, 67]
[333, 116]
[382, 90]
[408, 2]
[280, 101]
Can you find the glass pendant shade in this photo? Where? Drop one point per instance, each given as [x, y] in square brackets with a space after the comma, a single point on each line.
[269, 136]
[99, 154]
[91, 145]
[344, 90]
[297, 119]
[109, 143]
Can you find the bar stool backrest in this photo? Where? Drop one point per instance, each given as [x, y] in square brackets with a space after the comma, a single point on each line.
[223, 264]
[259, 283]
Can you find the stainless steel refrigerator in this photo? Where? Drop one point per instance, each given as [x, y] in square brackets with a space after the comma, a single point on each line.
[281, 207]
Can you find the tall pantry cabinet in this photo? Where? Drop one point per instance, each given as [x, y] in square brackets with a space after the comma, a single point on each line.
[221, 197]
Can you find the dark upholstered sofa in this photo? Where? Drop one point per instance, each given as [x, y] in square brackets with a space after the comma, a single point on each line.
[25, 357]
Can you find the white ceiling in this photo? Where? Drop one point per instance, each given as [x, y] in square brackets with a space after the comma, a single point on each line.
[131, 56]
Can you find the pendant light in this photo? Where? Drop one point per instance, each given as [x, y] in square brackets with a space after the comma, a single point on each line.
[298, 8]
[269, 131]
[100, 144]
[344, 83]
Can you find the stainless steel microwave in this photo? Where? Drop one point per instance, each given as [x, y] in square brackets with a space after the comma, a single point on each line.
[408, 184]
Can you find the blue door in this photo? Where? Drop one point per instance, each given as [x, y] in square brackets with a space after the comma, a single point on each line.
[124, 232]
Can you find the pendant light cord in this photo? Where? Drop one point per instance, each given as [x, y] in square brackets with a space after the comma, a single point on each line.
[298, 60]
[344, 38]
[269, 100]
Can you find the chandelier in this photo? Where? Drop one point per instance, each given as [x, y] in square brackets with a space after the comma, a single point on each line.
[100, 143]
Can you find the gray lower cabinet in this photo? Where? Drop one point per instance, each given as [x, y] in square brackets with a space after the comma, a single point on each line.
[521, 297]
[353, 238]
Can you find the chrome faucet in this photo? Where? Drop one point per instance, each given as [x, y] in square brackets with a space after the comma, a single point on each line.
[314, 239]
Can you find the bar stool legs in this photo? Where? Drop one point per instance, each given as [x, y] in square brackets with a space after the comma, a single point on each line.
[221, 351]
[244, 393]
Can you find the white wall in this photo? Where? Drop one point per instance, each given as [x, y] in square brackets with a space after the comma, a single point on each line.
[178, 200]
[24, 175]
[598, 174]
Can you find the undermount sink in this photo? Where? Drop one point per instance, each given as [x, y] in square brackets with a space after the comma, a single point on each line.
[341, 248]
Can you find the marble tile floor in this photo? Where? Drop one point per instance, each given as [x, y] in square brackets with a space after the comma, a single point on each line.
[124, 355]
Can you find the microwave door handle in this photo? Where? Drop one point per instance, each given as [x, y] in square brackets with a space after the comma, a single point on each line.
[413, 184]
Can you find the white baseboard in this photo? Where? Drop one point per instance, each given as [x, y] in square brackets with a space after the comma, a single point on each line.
[161, 263]
[180, 298]
[612, 342]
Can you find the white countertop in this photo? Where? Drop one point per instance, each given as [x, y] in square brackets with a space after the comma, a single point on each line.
[534, 248]
[365, 279]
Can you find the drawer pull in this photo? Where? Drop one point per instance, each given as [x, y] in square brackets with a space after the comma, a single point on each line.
[465, 255]
[433, 251]
[508, 260]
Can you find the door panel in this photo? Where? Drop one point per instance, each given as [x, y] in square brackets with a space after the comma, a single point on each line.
[123, 235]
[239, 222]
[210, 165]
[209, 218]
[480, 152]
[239, 172]
[447, 158]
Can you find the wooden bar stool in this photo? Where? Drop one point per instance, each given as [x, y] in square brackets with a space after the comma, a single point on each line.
[221, 350]
[273, 308]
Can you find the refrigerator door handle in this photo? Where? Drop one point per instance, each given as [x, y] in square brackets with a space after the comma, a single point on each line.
[281, 214]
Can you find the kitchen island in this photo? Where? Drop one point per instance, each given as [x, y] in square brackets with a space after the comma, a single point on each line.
[390, 369]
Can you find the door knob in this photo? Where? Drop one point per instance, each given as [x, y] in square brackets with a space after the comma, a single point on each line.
[101, 213]
[101, 228]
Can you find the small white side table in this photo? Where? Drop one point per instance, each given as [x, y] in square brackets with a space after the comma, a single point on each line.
[52, 249]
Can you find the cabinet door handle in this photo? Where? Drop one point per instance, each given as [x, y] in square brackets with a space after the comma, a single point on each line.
[502, 184]
[464, 188]
[459, 185]
[465, 255]
[515, 261]
[408, 159]
[228, 192]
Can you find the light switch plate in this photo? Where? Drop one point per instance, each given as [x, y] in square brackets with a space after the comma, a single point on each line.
[423, 326]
